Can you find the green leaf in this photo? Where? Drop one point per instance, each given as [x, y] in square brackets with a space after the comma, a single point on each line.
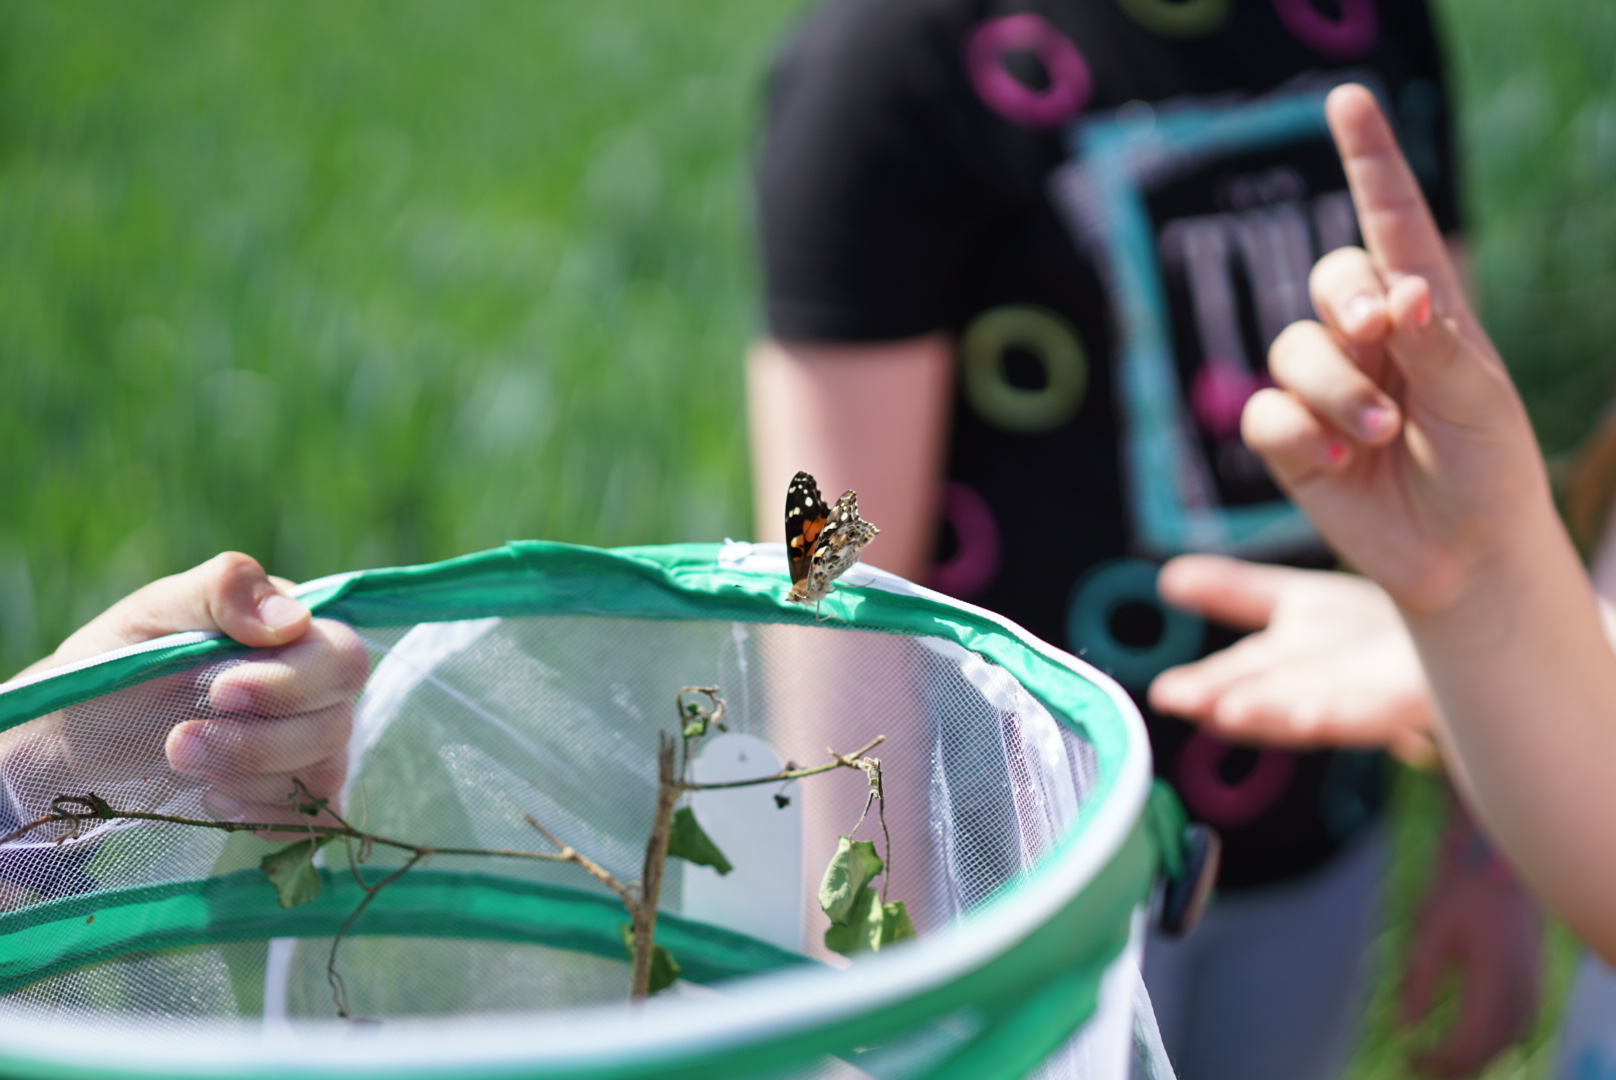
[857, 934]
[854, 864]
[872, 927]
[696, 728]
[688, 841]
[895, 925]
[664, 968]
[291, 870]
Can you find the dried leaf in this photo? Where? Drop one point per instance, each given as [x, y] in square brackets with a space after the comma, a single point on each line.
[291, 870]
[664, 968]
[688, 841]
[853, 865]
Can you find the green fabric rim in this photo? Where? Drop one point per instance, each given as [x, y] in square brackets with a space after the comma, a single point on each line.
[1028, 1000]
[64, 934]
[1068, 951]
[539, 577]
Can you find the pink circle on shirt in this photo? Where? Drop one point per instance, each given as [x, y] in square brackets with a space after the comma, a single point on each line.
[1207, 793]
[1351, 35]
[1218, 395]
[976, 562]
[1069, 79]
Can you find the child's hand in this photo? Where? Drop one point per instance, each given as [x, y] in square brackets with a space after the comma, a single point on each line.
[1394, 424]
[1328, 662]
[245, 729]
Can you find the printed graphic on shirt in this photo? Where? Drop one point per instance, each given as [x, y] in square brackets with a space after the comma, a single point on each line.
[1205, 218]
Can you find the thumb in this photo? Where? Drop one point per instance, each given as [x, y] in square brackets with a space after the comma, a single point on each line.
[229, 593]
[1444, 372]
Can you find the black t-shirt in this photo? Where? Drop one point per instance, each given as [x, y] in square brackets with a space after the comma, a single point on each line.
[1113, 206]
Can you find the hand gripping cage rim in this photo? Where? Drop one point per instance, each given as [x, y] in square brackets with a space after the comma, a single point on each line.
[1036, 953]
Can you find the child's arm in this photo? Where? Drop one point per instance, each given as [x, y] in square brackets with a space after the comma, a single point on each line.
[1397, 429]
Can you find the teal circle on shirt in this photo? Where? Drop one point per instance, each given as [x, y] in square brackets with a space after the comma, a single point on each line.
[1177, 18]
[1105, 590]
[1042, 333]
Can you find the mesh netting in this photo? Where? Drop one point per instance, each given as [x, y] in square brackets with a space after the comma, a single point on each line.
[1004, 825]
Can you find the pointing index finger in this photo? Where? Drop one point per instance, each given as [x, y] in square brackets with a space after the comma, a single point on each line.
[1398, 228]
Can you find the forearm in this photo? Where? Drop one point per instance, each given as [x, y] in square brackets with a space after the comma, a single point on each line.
[1526, 683]
[869, 417]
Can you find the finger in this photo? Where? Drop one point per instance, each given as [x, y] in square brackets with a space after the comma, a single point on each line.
[1397, 226]
[1416, 749]
[1349, 295]
[327, 665]
[1270, 708]
[229, 792]
[1240, 694]
[222, 746]
[1426, 346]
[229, 593]
[1194, 691]
[1230, 591]
[1292, 441]
[1307, 361]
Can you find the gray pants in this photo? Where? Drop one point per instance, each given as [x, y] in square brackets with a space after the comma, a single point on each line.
[1272, 985]
[1587, 1049]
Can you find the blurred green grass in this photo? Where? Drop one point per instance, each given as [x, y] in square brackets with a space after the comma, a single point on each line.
[350, 285]
[347, 285]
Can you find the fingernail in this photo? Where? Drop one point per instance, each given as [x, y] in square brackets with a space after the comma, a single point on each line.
[187, 750]
[1361, 309]
[231, 696]
[1375, 420]
[278, 612]
[1422, 314]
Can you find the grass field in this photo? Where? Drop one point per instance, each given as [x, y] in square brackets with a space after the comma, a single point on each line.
[376, 283]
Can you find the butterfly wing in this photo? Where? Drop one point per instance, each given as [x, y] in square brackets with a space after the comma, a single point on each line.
[840, 542]
[806, 515]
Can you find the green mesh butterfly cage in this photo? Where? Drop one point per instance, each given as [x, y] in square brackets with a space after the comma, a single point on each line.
[500, 729]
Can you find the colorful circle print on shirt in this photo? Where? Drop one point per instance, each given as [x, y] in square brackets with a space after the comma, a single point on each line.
[1069, 79]
[1177, 18]
[975, 562]
[1100, 595]
[1199, 779]
[1041, 333]
[1348, 36]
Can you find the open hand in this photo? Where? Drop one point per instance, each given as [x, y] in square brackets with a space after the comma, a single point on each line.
[1329, 662]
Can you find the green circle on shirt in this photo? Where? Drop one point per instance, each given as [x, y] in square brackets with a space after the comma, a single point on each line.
[1044, 334]
[1099, 594]
[1177, 18]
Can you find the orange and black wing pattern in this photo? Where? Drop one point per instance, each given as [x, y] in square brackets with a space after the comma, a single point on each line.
[806, 514]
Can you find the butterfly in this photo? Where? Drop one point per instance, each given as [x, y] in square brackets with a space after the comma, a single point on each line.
[821, 542]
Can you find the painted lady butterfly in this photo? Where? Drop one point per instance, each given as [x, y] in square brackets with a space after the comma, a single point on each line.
[822, 542]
